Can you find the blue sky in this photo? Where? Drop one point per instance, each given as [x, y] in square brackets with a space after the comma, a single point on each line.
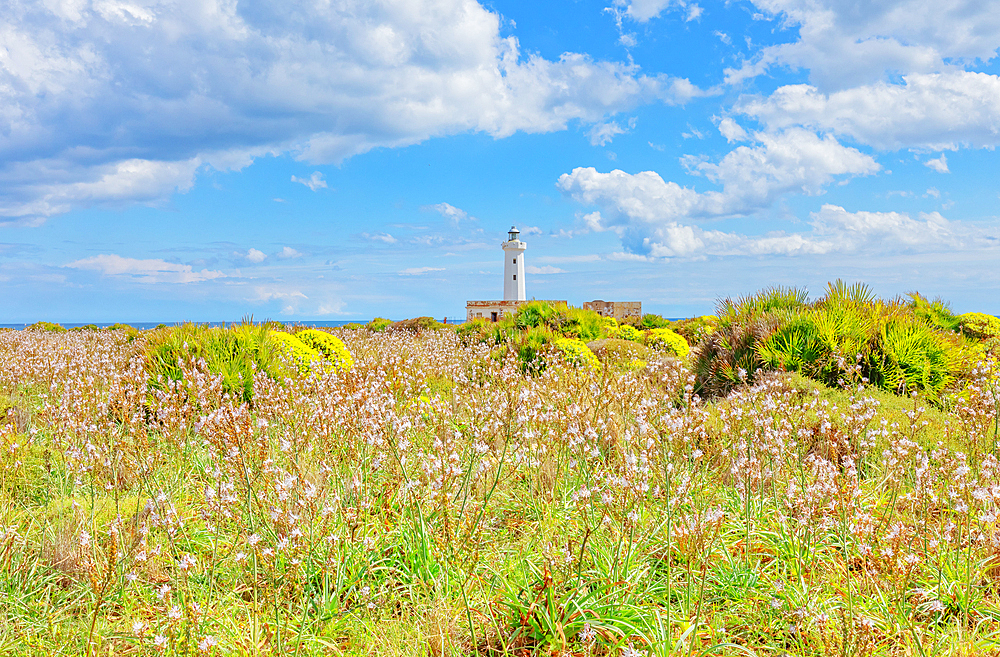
[165, 160]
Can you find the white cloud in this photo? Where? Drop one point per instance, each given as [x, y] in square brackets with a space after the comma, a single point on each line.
[313, 182]
[122, 102]
[603, 133]
[832, 230]
[144, 271]
[379, 237]
[253, 255]
[752, 178]
[845, 43]
[590, 257]
[932, 112]
[272, 294]
[939, 164]
[450, 212]
[732, 130]
[417, 271]
[40, 188]
[548, 269]
[288, 252]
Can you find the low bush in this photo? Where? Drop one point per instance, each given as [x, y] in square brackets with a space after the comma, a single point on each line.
[49, 327]
[576, 352]
[651, 321]
[297, 350]
[980, 326]
[625, 332]
[668, 341]
[417, 324]
[233, 353]
[332, 348]
[619, 352]
[378, 324]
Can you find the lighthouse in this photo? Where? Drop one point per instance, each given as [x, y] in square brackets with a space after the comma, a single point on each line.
[513, 284]
[513, 266]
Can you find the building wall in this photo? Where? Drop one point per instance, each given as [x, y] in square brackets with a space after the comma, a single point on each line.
[620, 310]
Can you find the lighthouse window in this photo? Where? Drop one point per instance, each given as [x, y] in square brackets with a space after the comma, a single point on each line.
[515, 261]
[515, 277]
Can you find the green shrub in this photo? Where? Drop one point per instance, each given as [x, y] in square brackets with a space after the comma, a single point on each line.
[352, 326]
[585, 325]
[666, 340]
[625, 332]
[537, 313]
[530, 347]
[232, 353]
[472, 331]
[86, 327]
[45, 326]
[651, 321]
[912, 357]
[980, 325]
[332, 348]
[379, 324]
[797, 346]
[417, 324]
[576, 352]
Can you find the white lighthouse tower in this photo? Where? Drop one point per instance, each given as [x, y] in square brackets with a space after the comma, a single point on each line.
[513, 284]
[513, 266]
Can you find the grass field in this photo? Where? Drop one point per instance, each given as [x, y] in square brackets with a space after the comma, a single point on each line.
[434, 499]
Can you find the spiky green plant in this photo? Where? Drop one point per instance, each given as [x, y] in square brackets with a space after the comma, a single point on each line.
[912, 357]
[936, 313]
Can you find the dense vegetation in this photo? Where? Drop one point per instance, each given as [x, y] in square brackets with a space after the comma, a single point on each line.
[788, 477]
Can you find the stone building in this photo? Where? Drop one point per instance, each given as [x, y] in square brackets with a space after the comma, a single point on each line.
[620, 310]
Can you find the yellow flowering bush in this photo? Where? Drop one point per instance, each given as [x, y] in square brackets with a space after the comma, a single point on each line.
[576, 352]
[337, 355]
[666, 340]
[980, 325]
[300, 352]
[625, 332]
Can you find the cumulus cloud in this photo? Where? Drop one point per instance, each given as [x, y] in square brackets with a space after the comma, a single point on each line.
[119, 102]
[313, 182]
[752, 177]
[144, 271]
[547, 269]
[929, 111]
[844, 43]
[288, 252]
[832, 230]
[253, 255]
